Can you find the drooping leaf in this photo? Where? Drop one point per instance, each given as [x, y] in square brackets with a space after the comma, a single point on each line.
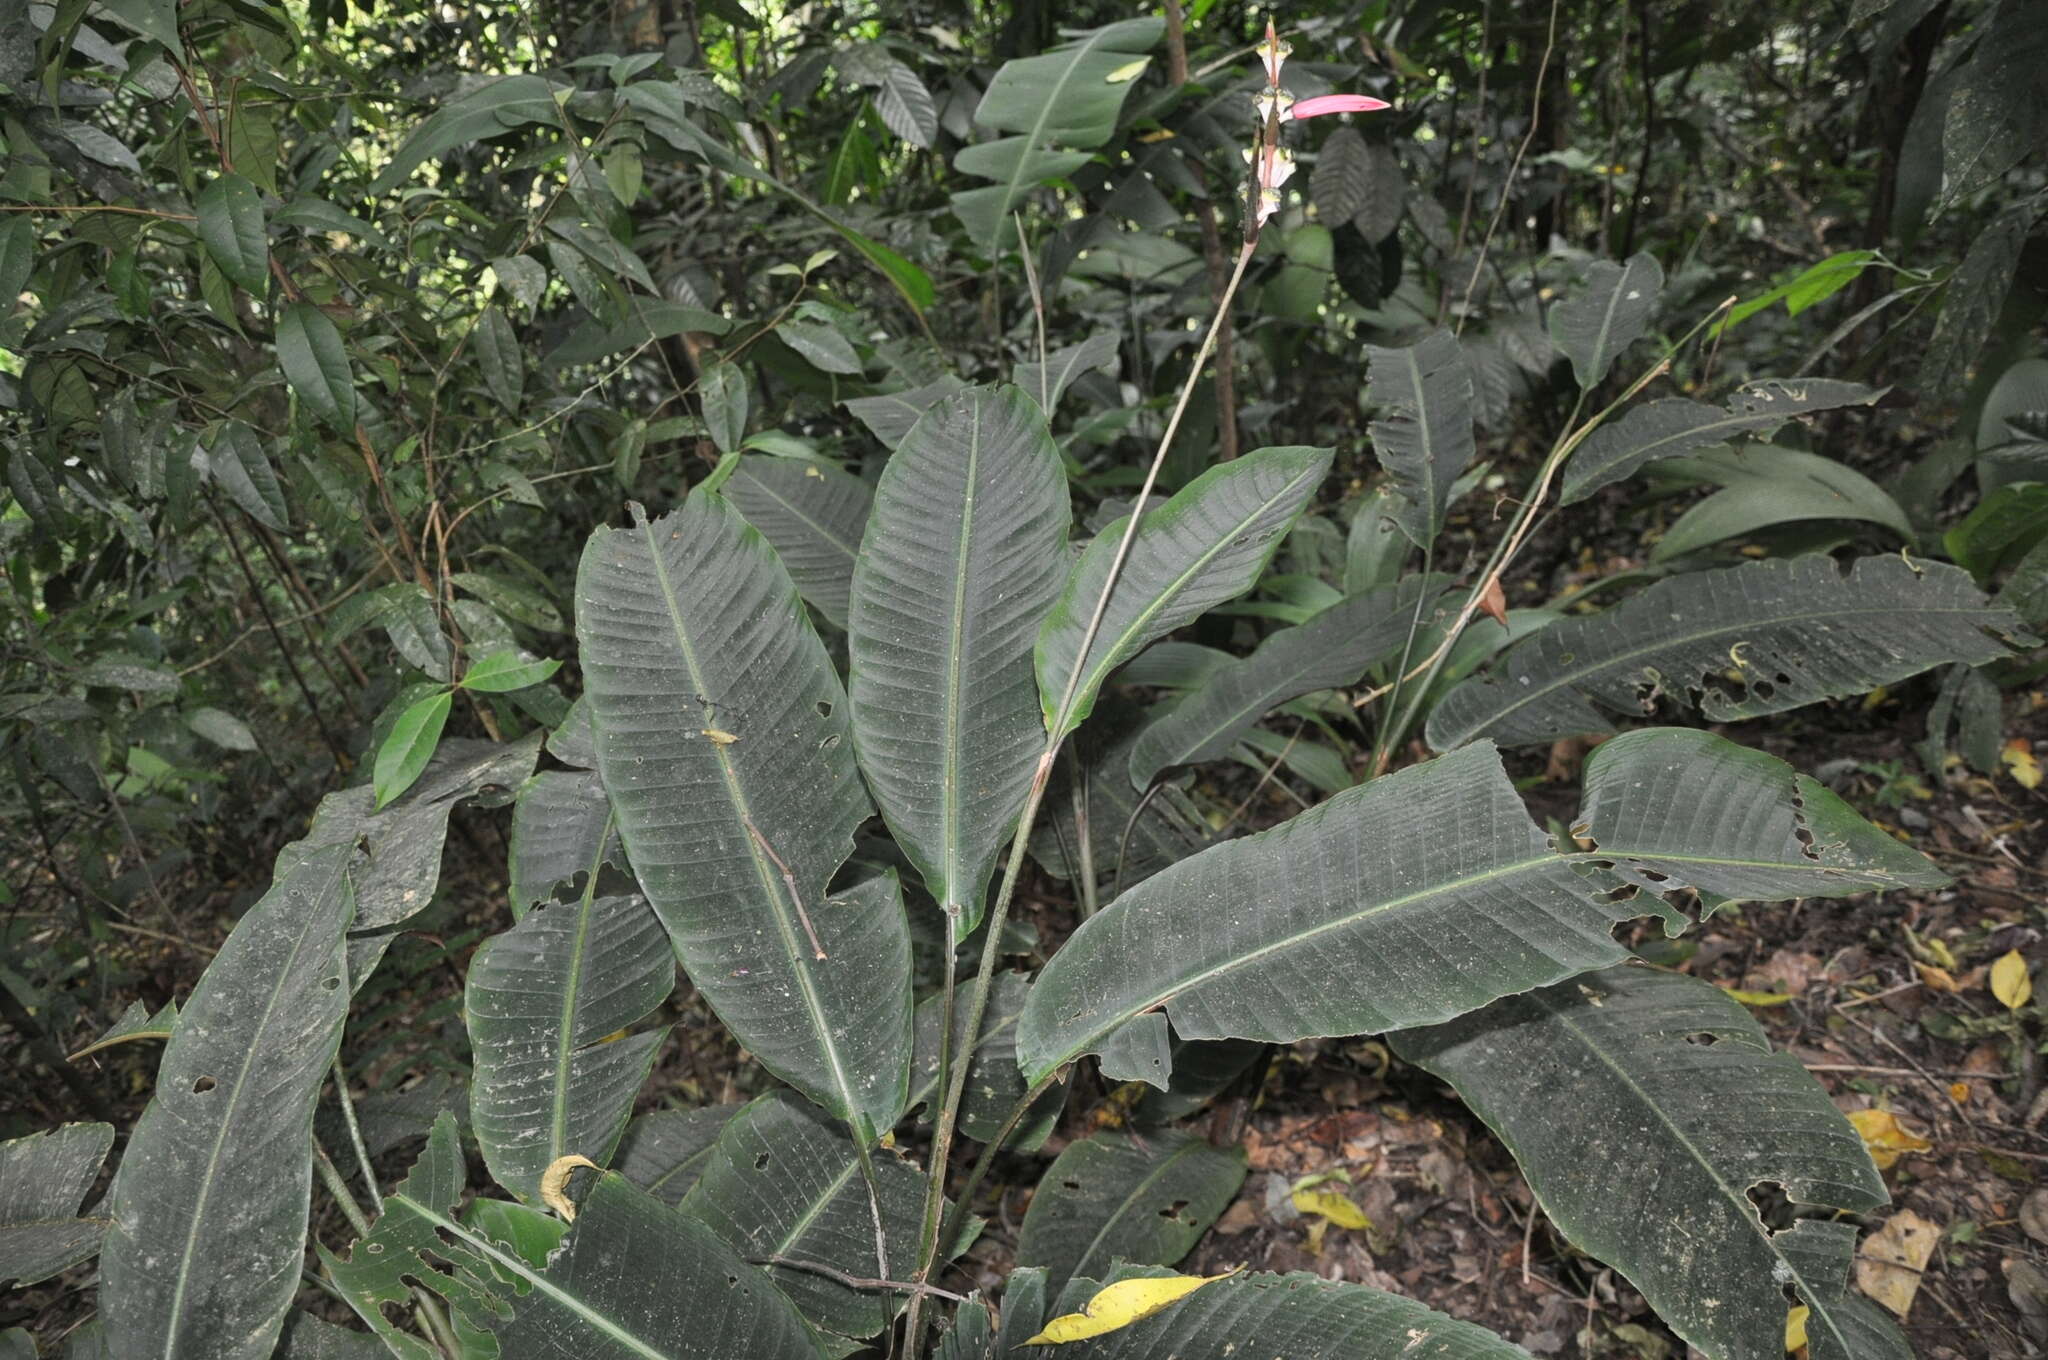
[1208, 544]
[232, 229]
[1424, 435]
[1762, 637]
[1299, 1316]
[238, 463]
[486, 111]
[310, 352]
[782, 1182]
[1698, 810]
[210, 1204]
[561, 827]
[1594, 327]
[1331, 649]
[722, 736]
[548, 1004]
[1046, 383]
[1428, 892]
[1115, 1195]
[1764, 486]
[1644, 1107]
[499, 355]
[1069, 96]
[1674, 426]
[664, 1152]
[44, 1178]
[960, 563]
[1974, 296]
[812, 514]
[722, 388]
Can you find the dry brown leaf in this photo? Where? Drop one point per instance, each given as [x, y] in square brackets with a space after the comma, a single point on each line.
[1891, 1260]
[1494, 604]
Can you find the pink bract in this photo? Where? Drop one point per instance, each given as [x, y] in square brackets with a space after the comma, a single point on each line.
[1335, 103]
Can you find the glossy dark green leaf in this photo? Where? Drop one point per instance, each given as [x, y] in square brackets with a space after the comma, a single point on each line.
[210, 1203]
[664, 1152]
[231, 227]
[239, 464]
[310, 352]
[499, 355]
[561, 827]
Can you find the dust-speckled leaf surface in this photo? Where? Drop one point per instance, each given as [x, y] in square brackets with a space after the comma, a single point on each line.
[1643, 1108]
[1428, 892]
[210, 1204]
[561, 827]
[44, 1178]
[783, 1181]
[1120, 1196]
[1593, 327]
[813, 515]
[1423, 435]
[1208, 544]
[962, 559]
[665, 1151]
[1740, 642]
[722, 736]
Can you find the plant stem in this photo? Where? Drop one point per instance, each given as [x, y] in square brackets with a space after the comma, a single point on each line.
[992, 928]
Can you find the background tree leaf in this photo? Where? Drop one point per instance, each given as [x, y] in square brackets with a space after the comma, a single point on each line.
[231, 227]
[310, 352]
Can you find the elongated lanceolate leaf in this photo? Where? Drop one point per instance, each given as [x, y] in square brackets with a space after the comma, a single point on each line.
[1758, 638]
[310, 352]
[1424, 436]
[43, 1180]
[231, 227]
[1115, 1195]
[1700, 811]
[1331, 649]
[548, 1004]
[812, 514]
[782, 1182]
[1643, 1108]
[962, 558]
[1300, 1317]
[1070, 97]
[722, 736]
[210, 1203]
[489, 110]
[1595, 326]
[1208, 544]
[1427, 892]
[1675, 426]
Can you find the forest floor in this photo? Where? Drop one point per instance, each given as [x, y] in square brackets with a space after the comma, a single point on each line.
[1885, 999]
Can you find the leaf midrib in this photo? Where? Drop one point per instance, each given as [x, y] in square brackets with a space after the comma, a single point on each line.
[565, 1044]
[950, 806]
[1014, 188]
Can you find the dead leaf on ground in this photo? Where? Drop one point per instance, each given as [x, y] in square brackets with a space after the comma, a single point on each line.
[1885, 1137]
[1890, 1263]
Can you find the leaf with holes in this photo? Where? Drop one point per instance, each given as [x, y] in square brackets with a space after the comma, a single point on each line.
[210, 1204]
[960, 563]
[813, 515]
[1114, 1196]
[1594, 327]
[1208, 544]
[1645, 1109]
[561, 828]
[784, 1183]
[1758, 638]
[721, 733]
[663, 1152]
[1423, 435]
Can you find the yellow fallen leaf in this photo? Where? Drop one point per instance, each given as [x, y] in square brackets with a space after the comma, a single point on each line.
[555, 1181]
[2018, 757]
[1958, 1091]
[1333, 1206]
[1761, 998]
[1940, 979]
[1890, 1264]
[1795, 1328]
[2010, 981]
[1885, 1137]
[1120, 1305]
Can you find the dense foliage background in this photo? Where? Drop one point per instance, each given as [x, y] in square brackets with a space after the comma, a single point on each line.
[328, 332]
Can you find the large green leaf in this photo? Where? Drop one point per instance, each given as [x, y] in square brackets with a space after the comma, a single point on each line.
[1429, 892]
[1115, 1195]
[664, 1152]
[1208, 544]
[721, 733]
[891, 415]
[1300, 1317]
[210, 1203]
[1763, 486]
[1424, 434]
[231, 227]
[637, 1280]
[961, 561]
[1070, 97]
[1758, 638]
[1594, 327]
[1644, 1107]
[812, 514]
[1331, 649]
[1676, 807]
[782, 1183]
[43, 1180]
[994, 1085]
[1674, 426]
[548, 1004]
[561, 827]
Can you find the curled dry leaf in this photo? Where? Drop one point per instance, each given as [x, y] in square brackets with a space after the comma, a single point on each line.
[554, 1184]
